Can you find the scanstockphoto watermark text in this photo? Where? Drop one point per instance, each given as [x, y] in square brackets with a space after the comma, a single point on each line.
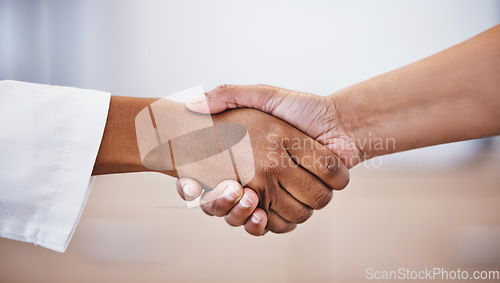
[300, 144]
[436, 273]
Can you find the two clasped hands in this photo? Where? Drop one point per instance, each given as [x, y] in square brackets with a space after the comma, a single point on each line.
[299, 158]
[451, 96]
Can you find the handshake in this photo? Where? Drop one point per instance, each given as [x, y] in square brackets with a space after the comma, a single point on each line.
[293, 149]
[289, 164]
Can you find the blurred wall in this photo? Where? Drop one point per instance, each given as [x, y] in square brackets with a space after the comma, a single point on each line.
[153, 48]
[415, 211]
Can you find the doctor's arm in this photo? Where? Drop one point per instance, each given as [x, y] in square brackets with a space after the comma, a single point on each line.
[118, 152]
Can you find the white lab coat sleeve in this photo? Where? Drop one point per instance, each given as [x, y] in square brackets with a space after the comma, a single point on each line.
[49, 139]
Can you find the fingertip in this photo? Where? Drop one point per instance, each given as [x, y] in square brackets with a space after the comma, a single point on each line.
[345, 177]
[225, 188]
[336, 173]
[256, 223]
[261, 214]
[222, 198]
[179, 189]
[278, 224]
[242, 211]
[208, 103]
[250, 199]
[198, 107]
[234, 184]
[188, 189]
[223, 89]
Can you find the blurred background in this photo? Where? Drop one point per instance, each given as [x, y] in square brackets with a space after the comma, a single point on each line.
[435, 207]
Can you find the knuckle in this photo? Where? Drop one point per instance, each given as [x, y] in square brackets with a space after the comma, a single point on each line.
[232, 222]
[224, 87]
[344, 182]
[254, 233]
[276, 130]
[268, 88]
[283, 229]
[218, 211]
[267, 169]
[209, 205]
[303, 215]
[322, 199]
[206, 208]
[329, 166]
[276, 136]
[264, 86]
[219, 207]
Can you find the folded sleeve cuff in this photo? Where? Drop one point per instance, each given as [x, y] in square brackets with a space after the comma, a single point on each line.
[51, 139]
[90, 109]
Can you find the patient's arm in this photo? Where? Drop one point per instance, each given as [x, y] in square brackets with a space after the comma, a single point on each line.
[451, 96]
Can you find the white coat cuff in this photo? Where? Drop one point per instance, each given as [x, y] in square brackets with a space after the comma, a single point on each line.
[84, 139]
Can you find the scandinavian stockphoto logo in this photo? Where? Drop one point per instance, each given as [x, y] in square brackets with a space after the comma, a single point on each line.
[170, 137]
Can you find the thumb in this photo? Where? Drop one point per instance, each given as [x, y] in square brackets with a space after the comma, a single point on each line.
[233, 96]
[188, 189]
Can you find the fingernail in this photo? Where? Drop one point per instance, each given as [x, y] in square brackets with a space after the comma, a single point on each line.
[246, 201]
[188, 190]
[197, 99]
[231, 194]
[256, 219]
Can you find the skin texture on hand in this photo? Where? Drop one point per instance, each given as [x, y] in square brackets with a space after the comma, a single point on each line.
[314, 115]
[293, 173]
[448, 97]
[451, 96]
[406, 104]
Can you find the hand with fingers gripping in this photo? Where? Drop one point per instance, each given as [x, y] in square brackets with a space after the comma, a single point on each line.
[293, 175]
[286, 173]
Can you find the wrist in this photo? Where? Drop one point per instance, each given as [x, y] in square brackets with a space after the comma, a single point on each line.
[379, 113]
[342, 129]
[359, 118]
[119, 152]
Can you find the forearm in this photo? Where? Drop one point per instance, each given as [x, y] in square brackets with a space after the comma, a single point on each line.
[119, 152]
[451, 96]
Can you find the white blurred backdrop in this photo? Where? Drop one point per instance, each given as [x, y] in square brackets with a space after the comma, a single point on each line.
[153, 48]
[449, 193]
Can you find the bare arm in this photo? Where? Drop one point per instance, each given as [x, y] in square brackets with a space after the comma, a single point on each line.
[244, 144]
[119, 152]
[451, 96]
